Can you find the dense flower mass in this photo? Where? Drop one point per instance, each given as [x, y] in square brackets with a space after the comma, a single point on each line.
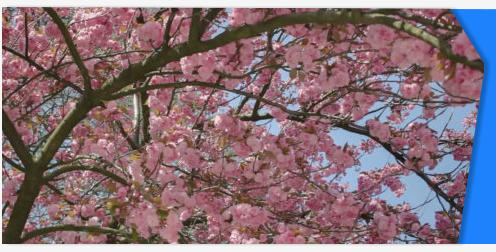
[290, 125]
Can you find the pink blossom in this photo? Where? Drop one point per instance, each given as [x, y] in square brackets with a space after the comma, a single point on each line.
[410, 51]
[294, 168]
[151, 33]
[289, 237]
[254, 143]
[174, 225]
[379, 130]
[52, 210]
[245, 214]
[379, 36]
[386, 226]
[410, 91]
[463, 46]
[337, 78]
[52, 30]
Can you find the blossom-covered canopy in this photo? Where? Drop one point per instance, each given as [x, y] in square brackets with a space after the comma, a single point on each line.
[134, 125]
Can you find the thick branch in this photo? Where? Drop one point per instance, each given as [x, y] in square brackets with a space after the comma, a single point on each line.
[165, 55]
[424, 21]
[343, 17]
[438, 43]
[89, 229]
[103, 172]
[168, 26]
[137, 118]
[194, 28]
[77, 114]
[209, 17]
[72, 48]
[16, 141]
[30, 188]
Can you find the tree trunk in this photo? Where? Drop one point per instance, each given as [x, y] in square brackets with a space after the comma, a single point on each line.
[28, 192]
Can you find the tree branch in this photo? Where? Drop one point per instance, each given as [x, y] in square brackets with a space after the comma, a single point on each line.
[57, 191]
[165, 55]
[343, 17]
[13, 164]
[103, 172]
[438, 43]
[16, 141]
[194, 28]
[89, 229]
[72, 48]
[168, 26]
[211, 85]
[126, 136]
[424, 21]
[77, 114]
[26, 32]
[209, 17]
[42, 69]
[30, 188]
[400, 157]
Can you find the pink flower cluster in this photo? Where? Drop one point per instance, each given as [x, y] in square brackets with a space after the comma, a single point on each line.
[144, 218]
[150, 34]
[461, 45]
[200, 66]
[422, 144]
[410, 91]
[248, 215]
[386, 226]
[345, 210]
[241, 16]
[52, 31]
[338, 77]
[171, 231]
[289, 237]
[379, 130]
[379, 36]
[411, 51]
[371, 182]
[465, 83]
[304, 54]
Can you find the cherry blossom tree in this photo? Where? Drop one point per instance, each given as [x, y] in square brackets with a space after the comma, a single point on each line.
[169, 125]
